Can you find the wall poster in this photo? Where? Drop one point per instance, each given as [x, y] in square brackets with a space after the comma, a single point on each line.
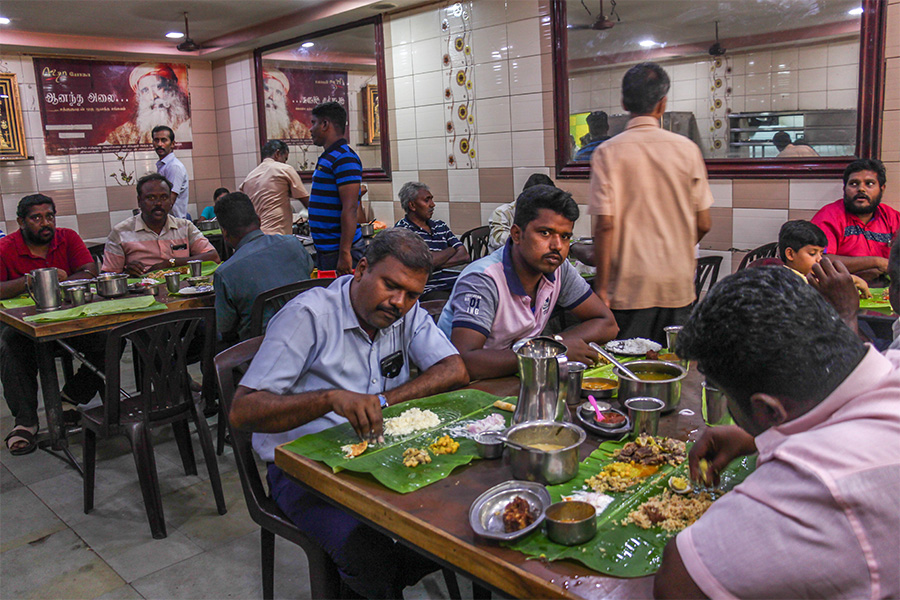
[291, 94]
[12, 130]
[91, 106]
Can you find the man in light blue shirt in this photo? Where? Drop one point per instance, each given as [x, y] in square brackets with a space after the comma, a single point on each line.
[172, 169]
[260, 263]
[340, 354]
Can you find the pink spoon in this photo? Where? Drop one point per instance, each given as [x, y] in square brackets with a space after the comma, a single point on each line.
[596, 408]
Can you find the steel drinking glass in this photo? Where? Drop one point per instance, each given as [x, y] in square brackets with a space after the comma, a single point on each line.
[196, 267]
[644, 414]
[173, 282]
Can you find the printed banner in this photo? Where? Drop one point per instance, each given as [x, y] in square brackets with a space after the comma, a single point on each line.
[291, 94]
[90, 106]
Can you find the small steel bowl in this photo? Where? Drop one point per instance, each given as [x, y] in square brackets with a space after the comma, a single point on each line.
[112, 285]
[209, 225]
[545, 466]
[488, 445]
[612, 386]
[367, 229]
[668, 390]
[200, 280]
[571, 523]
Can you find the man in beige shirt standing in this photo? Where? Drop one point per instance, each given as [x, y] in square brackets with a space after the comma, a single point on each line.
[271, 185]
[651, 197]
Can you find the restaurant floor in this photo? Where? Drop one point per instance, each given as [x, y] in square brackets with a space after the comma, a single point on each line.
[50, 549]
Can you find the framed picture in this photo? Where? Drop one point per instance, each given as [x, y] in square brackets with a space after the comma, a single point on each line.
[370, 104]
[12, 129]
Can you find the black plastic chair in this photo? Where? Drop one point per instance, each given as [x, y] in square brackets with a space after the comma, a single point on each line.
[765, 251]
[161, 348]
[475, 241]
[324, 579]
[270, 302]
[706, 274]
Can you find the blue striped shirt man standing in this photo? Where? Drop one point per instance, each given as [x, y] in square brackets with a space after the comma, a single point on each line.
[334, 195]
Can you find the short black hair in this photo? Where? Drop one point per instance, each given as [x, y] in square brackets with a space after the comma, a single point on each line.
[537, 179]
[332, 112]
[598, 122]
[235, 213]
[402, 244]
[271, 147]
[27, 202]
[643, 86]
[866, 164]
[532, 199]
[799, 233]
[781, 139]
[163, 128]
[219, 192]
[152, 177]
[746, 330]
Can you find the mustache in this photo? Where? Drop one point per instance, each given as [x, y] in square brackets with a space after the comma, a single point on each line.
[390, 310]
[45, 230]
[556, 254]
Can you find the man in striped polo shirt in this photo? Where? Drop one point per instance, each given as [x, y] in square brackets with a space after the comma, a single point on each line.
[417, 202]
[335, 192]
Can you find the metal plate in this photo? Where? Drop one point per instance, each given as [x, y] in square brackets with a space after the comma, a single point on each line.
[585, 416]
[195, 291]
[486, 513]
[619, 346]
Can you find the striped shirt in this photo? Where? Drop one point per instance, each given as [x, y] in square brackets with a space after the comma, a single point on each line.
[439, 239]
[131, 241]
[339, 165]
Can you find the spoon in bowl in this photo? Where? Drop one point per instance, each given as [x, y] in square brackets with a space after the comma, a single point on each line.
[596, 408]
[613, 360]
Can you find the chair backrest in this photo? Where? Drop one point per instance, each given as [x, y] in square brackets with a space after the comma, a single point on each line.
[163, 345]
[227, 364]
[707, 273]
[475, 241]
[270, 302]
[765, 251]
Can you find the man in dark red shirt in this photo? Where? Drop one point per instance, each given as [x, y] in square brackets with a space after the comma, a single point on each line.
[39, 244]
[858, 227]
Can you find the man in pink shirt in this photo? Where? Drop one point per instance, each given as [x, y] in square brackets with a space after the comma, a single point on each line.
[820, 516]
[154, 239]
[858, 227]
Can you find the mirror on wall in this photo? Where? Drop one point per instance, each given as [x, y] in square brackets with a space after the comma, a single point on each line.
[344, 65]
[762, 82]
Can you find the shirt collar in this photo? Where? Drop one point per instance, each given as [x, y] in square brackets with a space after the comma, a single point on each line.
[642, 121]
[509, 271]
[336, 145]
[18, 239]
[429, 222]
[167, 160]
[256, 233]
[349, 320]
[873, 368]
[170, 224]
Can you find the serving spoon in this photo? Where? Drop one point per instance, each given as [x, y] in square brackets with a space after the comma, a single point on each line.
[613, 360]
[596, 408]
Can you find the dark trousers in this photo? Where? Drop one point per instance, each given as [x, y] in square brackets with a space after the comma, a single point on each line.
[19, 370]
[327, 261]
[371, 563]
[649, 322]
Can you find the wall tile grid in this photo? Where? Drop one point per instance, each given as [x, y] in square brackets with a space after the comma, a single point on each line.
[87, 197]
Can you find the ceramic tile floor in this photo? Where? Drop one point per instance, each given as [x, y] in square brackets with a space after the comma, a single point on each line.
[50, 549]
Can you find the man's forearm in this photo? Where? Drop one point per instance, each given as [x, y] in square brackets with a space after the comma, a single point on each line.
[265, 412]
[595, 330]
[12, 288]
[447, 374]
[485, 364]
[858, 264]
[603, 235]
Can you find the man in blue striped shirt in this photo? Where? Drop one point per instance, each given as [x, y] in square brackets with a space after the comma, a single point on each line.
[334, 196]
[417, 202]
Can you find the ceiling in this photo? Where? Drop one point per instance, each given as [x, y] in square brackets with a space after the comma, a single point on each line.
[679, 22]
[221, 27]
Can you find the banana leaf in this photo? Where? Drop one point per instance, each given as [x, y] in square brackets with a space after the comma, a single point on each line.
[384, 461]
[105, 307]
[620, 550]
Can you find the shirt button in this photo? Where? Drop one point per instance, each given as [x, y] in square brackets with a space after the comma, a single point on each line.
[374, 381]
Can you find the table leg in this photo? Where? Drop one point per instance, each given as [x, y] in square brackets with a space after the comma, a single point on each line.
[53, 404]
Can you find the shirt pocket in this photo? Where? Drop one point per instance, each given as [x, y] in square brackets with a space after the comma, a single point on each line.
[181, 249]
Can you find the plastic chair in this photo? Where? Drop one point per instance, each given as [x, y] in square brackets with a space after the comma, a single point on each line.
[765, 251]
[475, 241]
[324, 579]
[270, 302]
[161, 347]
[706, 274]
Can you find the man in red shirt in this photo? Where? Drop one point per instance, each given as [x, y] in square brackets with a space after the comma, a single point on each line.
[39, 244]
[859, 229]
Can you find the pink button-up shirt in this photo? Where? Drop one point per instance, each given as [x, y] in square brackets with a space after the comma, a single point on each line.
[132, 241]
[820, 517]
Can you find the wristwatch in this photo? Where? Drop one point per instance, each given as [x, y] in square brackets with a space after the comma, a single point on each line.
[172, 262]
[383, 399]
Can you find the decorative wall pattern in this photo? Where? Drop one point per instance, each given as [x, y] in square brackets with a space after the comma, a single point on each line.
[720, 92]
[459, 70]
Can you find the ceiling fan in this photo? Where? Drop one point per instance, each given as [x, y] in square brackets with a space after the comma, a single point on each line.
[602, 22]
[188, 45]
[717, 49]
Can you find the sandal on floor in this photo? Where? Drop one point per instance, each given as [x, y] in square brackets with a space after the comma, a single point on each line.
[20, 433]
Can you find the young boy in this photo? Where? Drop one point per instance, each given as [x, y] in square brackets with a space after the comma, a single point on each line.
[801, 244]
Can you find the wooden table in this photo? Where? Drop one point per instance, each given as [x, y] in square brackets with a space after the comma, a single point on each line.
[434, 519]
[47, 333]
